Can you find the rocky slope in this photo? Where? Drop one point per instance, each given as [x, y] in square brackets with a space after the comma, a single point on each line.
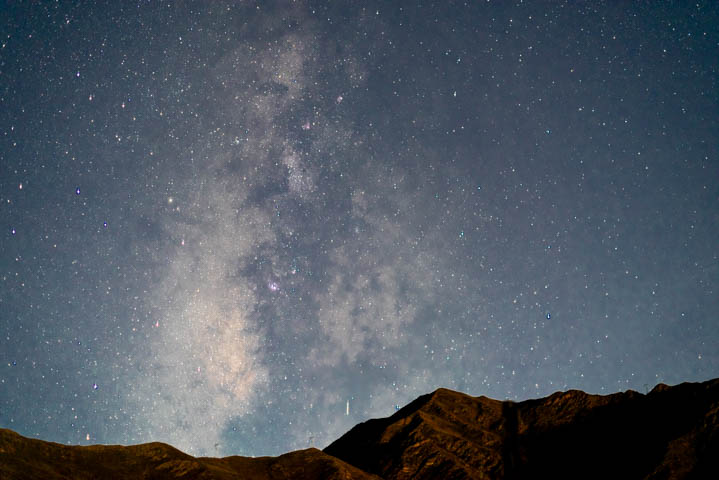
[25, 458]
[672, 432]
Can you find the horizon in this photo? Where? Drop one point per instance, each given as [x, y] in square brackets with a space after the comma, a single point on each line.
[312, 447]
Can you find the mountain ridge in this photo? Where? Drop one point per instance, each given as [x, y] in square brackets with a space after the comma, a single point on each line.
[558, 436]
[670, 432]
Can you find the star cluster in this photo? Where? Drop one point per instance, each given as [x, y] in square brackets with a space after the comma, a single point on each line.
[241, 228]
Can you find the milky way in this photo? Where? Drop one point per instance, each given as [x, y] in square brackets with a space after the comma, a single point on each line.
[243, 228]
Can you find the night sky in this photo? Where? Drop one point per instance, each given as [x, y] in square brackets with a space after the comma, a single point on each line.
[242, 228]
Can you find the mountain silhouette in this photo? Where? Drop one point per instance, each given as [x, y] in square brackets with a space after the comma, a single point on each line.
[669, 433]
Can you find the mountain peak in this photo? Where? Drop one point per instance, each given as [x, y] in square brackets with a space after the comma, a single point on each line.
[672, 432]
[567, 434]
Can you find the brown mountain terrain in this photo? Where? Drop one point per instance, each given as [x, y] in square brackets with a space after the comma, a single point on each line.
[25, 458]
[669, 433]
[672, 432]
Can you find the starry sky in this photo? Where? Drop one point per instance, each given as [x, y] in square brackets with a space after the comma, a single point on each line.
[242, 228]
